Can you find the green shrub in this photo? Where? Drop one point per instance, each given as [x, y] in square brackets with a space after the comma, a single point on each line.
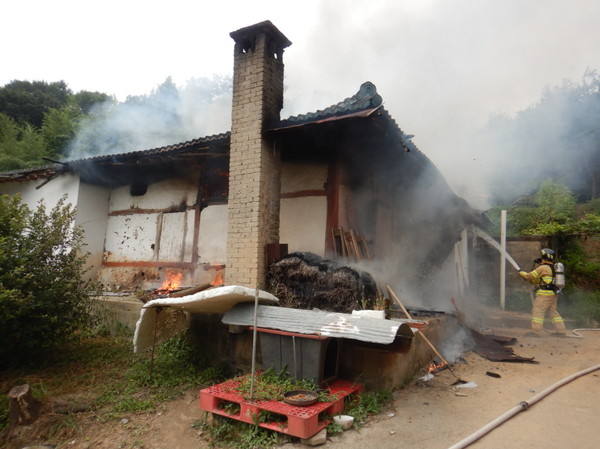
[582, 306]
[548, 211]
[581, 270]
[590, 223]
[43, 300]
[593, 206]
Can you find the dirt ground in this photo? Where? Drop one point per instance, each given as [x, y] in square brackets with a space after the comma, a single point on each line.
[425, 414]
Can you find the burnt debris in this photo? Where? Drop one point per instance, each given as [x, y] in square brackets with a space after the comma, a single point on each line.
[306, 281]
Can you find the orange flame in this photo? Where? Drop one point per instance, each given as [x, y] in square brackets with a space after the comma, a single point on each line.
[218, 280]
[172, 281]
[433, 366]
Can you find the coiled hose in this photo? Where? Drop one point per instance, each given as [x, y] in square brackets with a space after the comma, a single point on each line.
[524, 405]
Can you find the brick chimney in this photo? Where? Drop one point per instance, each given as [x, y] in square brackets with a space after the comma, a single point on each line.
[254, 168]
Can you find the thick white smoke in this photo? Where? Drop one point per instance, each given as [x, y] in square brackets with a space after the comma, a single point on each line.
[167, 116]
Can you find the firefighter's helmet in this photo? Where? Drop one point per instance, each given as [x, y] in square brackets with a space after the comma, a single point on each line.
[547, 254]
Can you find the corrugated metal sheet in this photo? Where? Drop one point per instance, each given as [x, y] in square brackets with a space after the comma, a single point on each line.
[326, 324]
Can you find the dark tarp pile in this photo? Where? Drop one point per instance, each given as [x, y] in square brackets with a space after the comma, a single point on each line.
[496, 348]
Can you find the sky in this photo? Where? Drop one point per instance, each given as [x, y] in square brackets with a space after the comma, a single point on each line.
[442, 66]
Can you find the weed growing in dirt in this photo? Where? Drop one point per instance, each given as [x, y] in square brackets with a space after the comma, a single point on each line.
[150, 380]
[227, 434]
[66, 424]
[366, 404]
[115, 380]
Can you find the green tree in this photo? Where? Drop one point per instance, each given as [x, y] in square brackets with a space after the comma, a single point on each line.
[9, 138]
[38, 120]
[85, 100]
[43, 300]
[31, 147]
[549, 211]
[20, 146]
[554, 209]
[58, 129]
[28, 101]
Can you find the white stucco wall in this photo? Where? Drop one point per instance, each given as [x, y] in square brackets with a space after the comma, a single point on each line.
[176, 237]
[131, 237]
[212, 241]
[303, 219]
[92, 210]
[151, 232]
[160, 195]
[303, 224]
[51, 192]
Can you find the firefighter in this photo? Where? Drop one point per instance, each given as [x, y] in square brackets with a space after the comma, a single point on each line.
[546, 294]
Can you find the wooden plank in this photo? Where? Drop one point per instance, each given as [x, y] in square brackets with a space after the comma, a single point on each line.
[338, 242]
[362, 244]
[351, 245]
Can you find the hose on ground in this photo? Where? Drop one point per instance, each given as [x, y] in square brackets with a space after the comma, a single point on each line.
[524, 405]
[576, 333]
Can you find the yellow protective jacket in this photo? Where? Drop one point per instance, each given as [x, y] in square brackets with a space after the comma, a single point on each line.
[542, 277]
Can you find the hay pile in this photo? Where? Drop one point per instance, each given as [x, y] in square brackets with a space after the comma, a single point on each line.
[306, 281]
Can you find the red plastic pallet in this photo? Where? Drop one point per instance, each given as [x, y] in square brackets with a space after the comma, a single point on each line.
[302, 422]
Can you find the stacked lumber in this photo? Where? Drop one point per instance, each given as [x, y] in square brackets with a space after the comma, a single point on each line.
[350, 244]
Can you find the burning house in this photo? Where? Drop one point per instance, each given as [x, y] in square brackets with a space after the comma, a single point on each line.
[341, 182]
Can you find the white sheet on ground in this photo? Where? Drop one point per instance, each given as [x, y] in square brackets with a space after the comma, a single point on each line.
[163, 318]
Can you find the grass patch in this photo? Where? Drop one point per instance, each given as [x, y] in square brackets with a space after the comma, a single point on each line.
[115, 380]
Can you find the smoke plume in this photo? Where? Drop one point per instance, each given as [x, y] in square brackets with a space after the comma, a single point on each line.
[168, 115]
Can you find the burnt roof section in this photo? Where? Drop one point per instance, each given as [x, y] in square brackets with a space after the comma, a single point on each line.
[154, 164]
[119, 168]
[31, 174]
[200, 146]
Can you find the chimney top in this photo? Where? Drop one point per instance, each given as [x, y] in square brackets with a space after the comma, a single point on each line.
[263, 27]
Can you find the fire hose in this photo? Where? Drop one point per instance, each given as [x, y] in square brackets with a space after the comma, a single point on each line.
[521, 406]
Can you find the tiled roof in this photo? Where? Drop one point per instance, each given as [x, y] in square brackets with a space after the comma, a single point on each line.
[366, 98]
[190, 145]
[365, 103]
[201, 145]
